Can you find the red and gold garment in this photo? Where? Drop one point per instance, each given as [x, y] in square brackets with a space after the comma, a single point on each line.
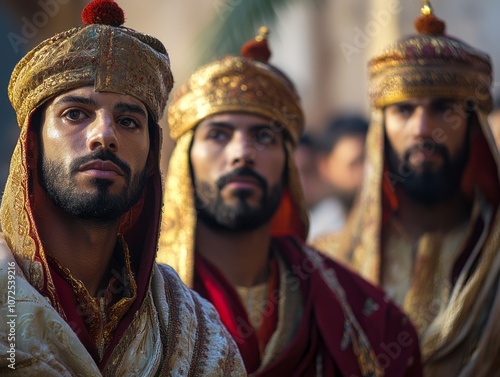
[309, 327]
[450, 290]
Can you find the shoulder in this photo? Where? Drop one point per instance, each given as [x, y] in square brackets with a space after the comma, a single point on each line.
[194, 321]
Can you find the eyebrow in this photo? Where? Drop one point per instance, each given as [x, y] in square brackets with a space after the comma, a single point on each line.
[120, 106]
[75, 99]
[130, 108]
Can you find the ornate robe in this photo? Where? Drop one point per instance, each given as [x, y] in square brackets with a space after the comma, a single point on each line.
[322, 320]
[175, 332]
[451, 289]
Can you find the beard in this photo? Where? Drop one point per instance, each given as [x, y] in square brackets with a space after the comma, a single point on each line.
[98, 206]
[239, 217]
[425, 184]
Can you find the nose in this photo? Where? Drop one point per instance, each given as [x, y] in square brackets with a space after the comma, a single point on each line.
[102, 133]
[241, 151]
[422, 123]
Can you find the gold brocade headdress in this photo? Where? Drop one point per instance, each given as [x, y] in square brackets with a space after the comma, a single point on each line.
[101, 53]
[237, 83]
[111, 58]
[245, 84]
[430, 64]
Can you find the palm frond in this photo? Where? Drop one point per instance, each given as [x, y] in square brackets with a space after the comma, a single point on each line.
[237, 21]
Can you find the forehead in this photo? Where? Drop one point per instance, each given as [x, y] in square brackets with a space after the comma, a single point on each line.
[240, 121]
[87, 92]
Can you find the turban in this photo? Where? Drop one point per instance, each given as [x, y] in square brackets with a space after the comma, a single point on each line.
[430, 64]
[112, 58]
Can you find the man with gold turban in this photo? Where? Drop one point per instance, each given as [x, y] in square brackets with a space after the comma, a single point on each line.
[81, 294]
[427, 224]
[234, 226]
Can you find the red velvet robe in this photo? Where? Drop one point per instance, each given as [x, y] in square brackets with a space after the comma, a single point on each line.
[325, 325]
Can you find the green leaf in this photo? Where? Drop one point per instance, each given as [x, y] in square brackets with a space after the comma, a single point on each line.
[237, 21]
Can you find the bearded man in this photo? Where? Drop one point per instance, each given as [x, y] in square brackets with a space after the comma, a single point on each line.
[81, 294]
[234, 226]
[427, 225]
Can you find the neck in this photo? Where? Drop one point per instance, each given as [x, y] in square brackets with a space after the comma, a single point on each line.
[242, 257]
[442, 217]
[83, 247]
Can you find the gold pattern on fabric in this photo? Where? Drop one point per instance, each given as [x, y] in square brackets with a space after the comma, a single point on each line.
[176, 245]
[103, 324]
[236, 84]
[367, 360]
[417, 274]
[112, 59]
[413, 68]
[254, 300]
[290, 311]
[47, 346]
[203, 345]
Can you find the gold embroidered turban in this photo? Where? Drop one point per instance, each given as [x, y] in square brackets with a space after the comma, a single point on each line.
[236, 83]
[430, 64]
[232, 84]
[111, 58]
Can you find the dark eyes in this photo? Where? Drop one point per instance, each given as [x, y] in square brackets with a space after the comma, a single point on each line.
[129, 123]
[218, 135]
[404, 109]
[74, 114]
[77, 115]
[261, 136]
[265, 136]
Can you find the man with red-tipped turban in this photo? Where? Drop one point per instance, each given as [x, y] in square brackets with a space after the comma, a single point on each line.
[427, 225]
[81, 294]
[234, 226]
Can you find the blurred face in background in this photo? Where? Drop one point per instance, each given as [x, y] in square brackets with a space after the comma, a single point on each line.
[314, 187]
[343, 167]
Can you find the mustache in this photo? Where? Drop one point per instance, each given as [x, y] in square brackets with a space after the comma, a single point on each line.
[428, 147]
[101, 154]
[241, 172]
